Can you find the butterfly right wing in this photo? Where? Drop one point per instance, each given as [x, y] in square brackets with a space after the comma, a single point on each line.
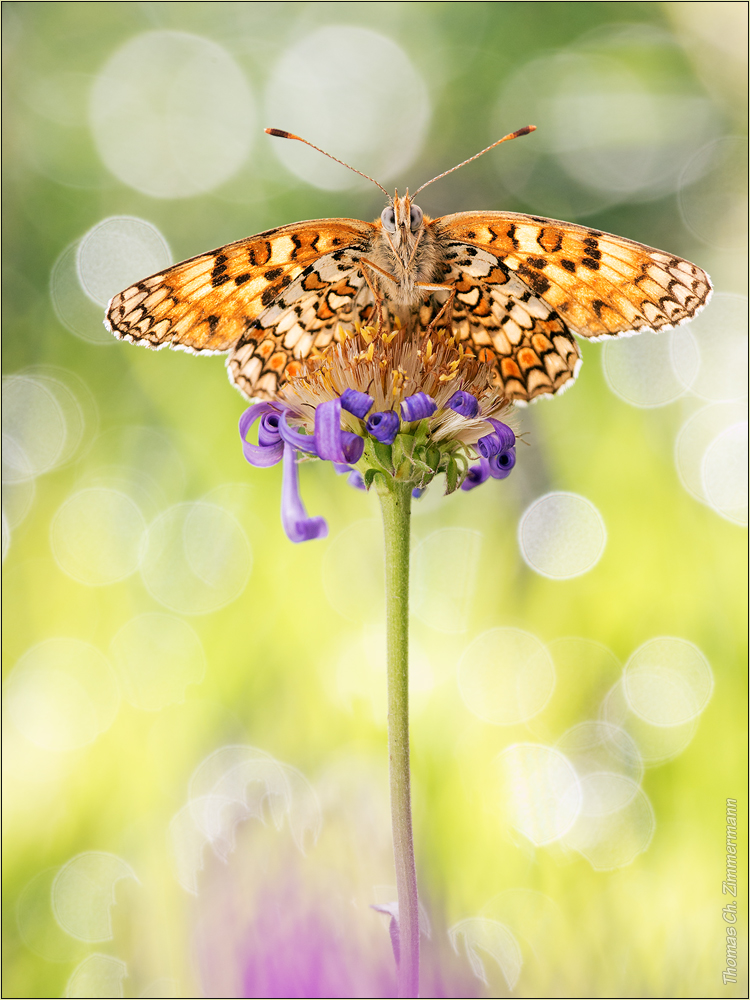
[208, 303]
[497, 316]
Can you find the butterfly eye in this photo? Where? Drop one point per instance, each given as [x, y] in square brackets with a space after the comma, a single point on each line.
[388, 218]
[415, 217]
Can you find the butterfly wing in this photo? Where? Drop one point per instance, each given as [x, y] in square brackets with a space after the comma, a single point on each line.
[224, 300]
[524, 284]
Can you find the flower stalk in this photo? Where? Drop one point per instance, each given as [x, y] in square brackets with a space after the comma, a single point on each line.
[395, 502]
[392, 411]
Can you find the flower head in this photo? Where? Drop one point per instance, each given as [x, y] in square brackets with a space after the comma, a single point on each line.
[384, 404]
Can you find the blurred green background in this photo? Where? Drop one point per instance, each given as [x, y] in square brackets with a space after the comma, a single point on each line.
[155, 613]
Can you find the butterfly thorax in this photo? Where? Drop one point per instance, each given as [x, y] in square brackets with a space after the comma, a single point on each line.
[405, 247]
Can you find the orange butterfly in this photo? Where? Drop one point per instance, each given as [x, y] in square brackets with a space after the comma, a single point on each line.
[514, 288]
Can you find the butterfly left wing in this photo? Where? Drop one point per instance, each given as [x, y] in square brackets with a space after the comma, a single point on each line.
[218, 301]
[524, 284]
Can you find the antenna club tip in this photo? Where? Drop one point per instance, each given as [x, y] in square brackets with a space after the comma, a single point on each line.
[280, 133]
[524, 131]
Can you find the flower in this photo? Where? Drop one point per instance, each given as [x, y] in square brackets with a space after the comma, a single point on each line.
[384, 404]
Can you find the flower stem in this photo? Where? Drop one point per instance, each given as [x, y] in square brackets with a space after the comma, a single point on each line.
[395, 501]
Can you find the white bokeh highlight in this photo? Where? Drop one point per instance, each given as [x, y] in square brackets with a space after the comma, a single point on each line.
[480, 937]
[506, 676]
[719, 335]
[724, 473]
[83, 894]
[96, 536]
[34, 428]
[540, 791]
[650, 370]
[608, 132]
[713, 193]
[117, 252]
[62, 694]
[231, 785]
[710, 453]
[196, 558]
[656, 744]
[73, 307]
[561, 535]
[97, 976]
[157, 657]
[667, 682]
[383, 100]
[172, 114]
[615, 824]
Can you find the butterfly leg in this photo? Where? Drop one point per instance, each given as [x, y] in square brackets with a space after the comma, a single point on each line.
[447, 306]
[376, 294]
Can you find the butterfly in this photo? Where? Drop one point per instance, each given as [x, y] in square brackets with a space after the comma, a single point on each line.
[513, 288]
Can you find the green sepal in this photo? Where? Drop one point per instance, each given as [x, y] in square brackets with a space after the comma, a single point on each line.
[451, 476]
[383, 454]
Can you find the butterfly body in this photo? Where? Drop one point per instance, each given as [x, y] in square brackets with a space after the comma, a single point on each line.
[513, 288]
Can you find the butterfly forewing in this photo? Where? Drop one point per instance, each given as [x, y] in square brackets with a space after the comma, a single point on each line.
[600, 285]
[210, 302]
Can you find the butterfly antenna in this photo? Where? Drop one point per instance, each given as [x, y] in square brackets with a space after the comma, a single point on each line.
[289, 135]
[513, 135]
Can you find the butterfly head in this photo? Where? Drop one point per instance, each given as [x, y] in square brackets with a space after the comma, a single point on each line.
[401, 220]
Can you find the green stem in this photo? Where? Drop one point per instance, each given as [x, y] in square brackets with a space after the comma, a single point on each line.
[395, 501]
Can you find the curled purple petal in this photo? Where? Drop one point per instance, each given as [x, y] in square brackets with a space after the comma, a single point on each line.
[464, 403]
[500, 465]
[331, 442]
[270, 450]
[303, 442]
[477, 475]
[505, 434]
[341, 469]
[297, 525]
[418, 406]
[356, 480]
[268, 432]
[417, 492]
[488, 445]
[358, 403]
[384, 426]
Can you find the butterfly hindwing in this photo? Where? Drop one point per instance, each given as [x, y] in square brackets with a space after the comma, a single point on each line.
[206, 304]
[300, 323]
[497, 316]
[600, 285]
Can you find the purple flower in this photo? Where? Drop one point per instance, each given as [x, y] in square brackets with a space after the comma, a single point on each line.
[477, 475]
[384, 426]
[418, 406]
[464, 403]
[358, 403]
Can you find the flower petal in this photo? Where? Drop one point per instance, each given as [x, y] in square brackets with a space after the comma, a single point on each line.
[384, 426]
[331, 442]
[477, 475]
[500, 465]
[358, 403]
[303, 442]
[297, 525]
[418, 406]
[504, 433]
[463, 403]
[268, 452]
